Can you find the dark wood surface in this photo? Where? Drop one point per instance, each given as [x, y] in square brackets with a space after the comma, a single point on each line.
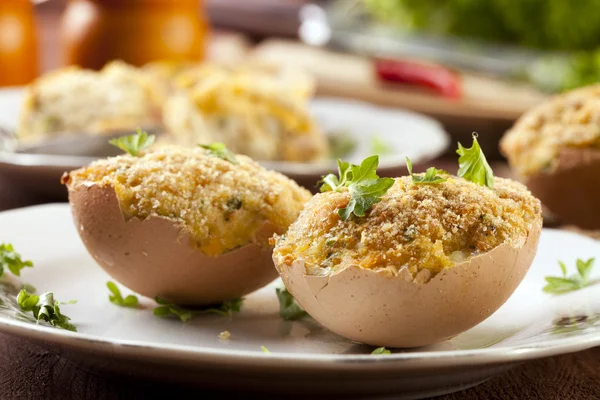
[30, 370]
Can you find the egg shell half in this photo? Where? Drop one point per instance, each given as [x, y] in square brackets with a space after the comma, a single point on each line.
[572, 190]
[156, 256]
[372, 307]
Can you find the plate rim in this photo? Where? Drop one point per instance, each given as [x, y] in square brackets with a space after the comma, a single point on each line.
[285, 361]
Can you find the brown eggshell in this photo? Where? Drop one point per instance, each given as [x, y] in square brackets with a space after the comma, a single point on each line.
[155, 256]
[572, 190]
[380, 310]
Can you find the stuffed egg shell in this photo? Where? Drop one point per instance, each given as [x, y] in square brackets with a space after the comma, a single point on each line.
[555, 150]
[426, 263]
[183, 224]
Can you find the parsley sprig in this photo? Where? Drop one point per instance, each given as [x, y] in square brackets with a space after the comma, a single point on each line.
[289, 310]
[166, 309]
[134, 144]
[381, 350]
[219, 150]
[11, 260]
[45, 308]
[473, 165]
[563, 284]
[431, 175]
[365, 186]
[116, 297]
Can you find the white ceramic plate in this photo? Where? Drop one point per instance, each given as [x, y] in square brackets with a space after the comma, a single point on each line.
[404, 133]
[304, 358]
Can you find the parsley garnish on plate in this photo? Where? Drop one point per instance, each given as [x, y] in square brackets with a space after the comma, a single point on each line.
[564, 284]
[117, 298]
[166, 309]
[45, 308]
[11, 260]
[341, 144]
[134, 144]
[221, 151]
[227, 308]
[473, 165]
[365, 186]
[431, 175]
[289, 310]
[264, 349]
[381, 350]
[379, 147]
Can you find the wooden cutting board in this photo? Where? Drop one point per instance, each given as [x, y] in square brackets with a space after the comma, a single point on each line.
[489, 105]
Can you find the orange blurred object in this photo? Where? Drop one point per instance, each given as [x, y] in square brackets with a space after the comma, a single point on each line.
[94, 32]
[18, 48]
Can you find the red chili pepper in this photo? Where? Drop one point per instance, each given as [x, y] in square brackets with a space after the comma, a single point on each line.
[443, 80]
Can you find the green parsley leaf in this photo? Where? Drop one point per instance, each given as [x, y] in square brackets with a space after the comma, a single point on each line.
[227, 308]
[134, 144]
[117, 299]
[264, 349]
[166, 309]
[27, 301]
[289, 310]
[341, 144]
[473, 165]
[12, 260]
[45, 308]
[365, 186]
[220, 150]
[563, 268]
[381, 350]
[379, 147]
[564, 284]
[584, 268]
[332, 182]
[431, 175]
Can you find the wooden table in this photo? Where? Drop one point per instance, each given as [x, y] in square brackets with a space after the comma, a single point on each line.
[30, 370]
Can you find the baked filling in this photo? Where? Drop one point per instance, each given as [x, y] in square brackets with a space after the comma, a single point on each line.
[221, 204]
[417, 230]
[571, 120]
[254, 113]
[78, 100]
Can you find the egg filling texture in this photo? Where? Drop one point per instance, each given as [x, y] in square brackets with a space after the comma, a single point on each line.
[221, 204]
[415, 231]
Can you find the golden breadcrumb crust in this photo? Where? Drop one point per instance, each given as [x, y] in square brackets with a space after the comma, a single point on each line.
[220, 203]
[569, 120]
[76, 100]
[414, 228]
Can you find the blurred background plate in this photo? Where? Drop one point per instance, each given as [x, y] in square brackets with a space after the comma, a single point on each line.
[366, 130]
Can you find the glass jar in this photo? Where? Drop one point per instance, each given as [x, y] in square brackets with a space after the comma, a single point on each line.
[18, 49]
[94, 32]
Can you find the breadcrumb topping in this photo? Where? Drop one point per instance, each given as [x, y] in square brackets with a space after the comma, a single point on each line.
[568, 120]
[222, 204]
[254, 112]
[75, 100]
[415, 231]
[225, 335]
